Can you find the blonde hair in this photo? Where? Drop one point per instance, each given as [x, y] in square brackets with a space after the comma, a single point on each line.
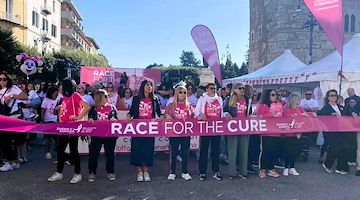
[98, 97]
[292, 100]
[234, 97]
[176, 94]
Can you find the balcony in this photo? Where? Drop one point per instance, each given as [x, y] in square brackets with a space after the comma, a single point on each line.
[71, 34]
[10, 17]
[46, 9]
[70, 15]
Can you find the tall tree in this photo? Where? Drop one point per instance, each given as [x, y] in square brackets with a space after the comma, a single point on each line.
[187, 59]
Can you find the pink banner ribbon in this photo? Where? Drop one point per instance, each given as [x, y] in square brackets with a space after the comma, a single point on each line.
[190, 127]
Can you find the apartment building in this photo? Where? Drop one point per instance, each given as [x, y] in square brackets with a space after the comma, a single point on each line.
[13, 17]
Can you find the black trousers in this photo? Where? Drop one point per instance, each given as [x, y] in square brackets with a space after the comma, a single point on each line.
[184, 143]
[269, 149]
[336, 151]
[215, 152]
[254, 149]
[94, 151]
[64, 140]
[7, 140]
[291, 147]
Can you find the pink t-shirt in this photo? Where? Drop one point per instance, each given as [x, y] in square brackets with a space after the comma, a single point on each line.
[241, 108]
[180, 111]
[70, 106]
[145, 108]
[213, 109]
[103, 112]
[278, 108]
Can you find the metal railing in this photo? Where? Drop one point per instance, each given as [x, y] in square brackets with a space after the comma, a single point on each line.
[10, 17]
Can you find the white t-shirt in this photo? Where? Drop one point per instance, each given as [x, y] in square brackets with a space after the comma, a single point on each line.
[32, 95]
[193, 100]
[113, 100]
[14, 90]
[336, 108]
[88, 99]
[312, 103]
[128, 102]
[49, 106]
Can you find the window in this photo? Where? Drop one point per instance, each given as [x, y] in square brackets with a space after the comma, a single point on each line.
[54, 6]
[45, 25]
[53, 30]
[346, 24]
[352, 23]
[35, 19]
[9, 6]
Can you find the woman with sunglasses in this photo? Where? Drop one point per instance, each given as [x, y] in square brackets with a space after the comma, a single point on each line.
[209, 106]
[9, 94]
[269, 142]
[181, 109]
[238, 105]
[335, 140]
[145, 106]
[127, 98]
[113, 96]
[102, 110]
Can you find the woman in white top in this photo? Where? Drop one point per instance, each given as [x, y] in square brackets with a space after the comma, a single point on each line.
[9, 93]
[113, 96]
[126, 100]
[81, 88]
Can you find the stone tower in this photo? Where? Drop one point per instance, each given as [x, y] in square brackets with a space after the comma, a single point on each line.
[276, 25]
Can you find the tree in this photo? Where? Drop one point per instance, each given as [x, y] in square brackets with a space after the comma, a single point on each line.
[187, 59]
[9, 48]
[244, 69]
[178, 73]
[154, 65]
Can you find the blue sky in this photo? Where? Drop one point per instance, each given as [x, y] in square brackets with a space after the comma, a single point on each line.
[136, 33]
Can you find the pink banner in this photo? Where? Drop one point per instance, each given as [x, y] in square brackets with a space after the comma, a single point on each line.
[206, 44]
[135, 76]
[190, 127]
[329, 14]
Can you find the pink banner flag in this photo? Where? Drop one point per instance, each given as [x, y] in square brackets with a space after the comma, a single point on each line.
[329, 14]
[206, 44]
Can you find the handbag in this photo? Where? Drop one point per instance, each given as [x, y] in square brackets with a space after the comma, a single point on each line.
[4, 109]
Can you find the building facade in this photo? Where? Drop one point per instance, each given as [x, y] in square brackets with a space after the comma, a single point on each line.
[43, 25]
[13, 17]
[276, 25]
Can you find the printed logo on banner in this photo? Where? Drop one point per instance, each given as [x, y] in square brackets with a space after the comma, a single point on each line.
[79, 129]
[292, 125]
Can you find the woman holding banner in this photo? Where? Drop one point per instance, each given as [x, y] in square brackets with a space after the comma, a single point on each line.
[269, 142]
[102, 110]
[292, 109]
[180, 108]
[335, 140]
[72, 108]
[209, 106]
[238, 105]
[145, 106]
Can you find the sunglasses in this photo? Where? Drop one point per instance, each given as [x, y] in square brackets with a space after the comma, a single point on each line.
[182, 92]
[273, 95]
[241, 88]
[212, 88]
[3, 79]
[282, 90]
[333, 95]
[308, 94]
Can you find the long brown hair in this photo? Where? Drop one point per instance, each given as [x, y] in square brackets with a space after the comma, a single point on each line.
[98, 97]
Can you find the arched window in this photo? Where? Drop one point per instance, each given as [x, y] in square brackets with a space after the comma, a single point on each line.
[352, 23]
[346, 24]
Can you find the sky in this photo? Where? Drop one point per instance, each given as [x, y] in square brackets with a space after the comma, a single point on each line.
[137, 33]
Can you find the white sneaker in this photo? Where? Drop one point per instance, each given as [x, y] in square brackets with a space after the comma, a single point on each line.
[76, 178]
[286, 172]
[179, 158]
[147, 177]
[186, 176]
[7, 167]
[140, 177]
[16, 165]
[293, 171]
[56, 177]
[171, 177]
[48, 156]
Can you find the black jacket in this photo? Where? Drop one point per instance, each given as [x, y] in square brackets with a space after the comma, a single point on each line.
[134, 110]
[328, 110]
[233, 110]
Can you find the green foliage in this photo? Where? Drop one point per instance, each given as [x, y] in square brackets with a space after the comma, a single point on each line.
[187, 59]
[9, 48]
[178, 73]
[154, 65]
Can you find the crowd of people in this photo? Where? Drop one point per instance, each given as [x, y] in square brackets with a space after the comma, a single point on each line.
[67, 101]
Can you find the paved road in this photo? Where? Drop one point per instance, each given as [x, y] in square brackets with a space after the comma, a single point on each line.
[30, 182]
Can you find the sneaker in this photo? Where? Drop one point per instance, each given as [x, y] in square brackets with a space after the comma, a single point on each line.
[68, 163]
[233, 177]
[186, 176]
[16, 165]
[279, 165]
[140, 177]
[92, 177]
[179, 158]
[243, 176]
[342, 172]
[76, 178]
[262, 173]
[55, 162]
[250, 169]
[357, 173]
[21, 160]
[293, 171]
[25, 160]
[273, 173]
[202, 177]
[147, 177]
[111, 176]
[48, 156]
[328, 170]
[352, 163]
[286, 172]
[171, 177]
[7, 167]
[217, 176]
[56, 177]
